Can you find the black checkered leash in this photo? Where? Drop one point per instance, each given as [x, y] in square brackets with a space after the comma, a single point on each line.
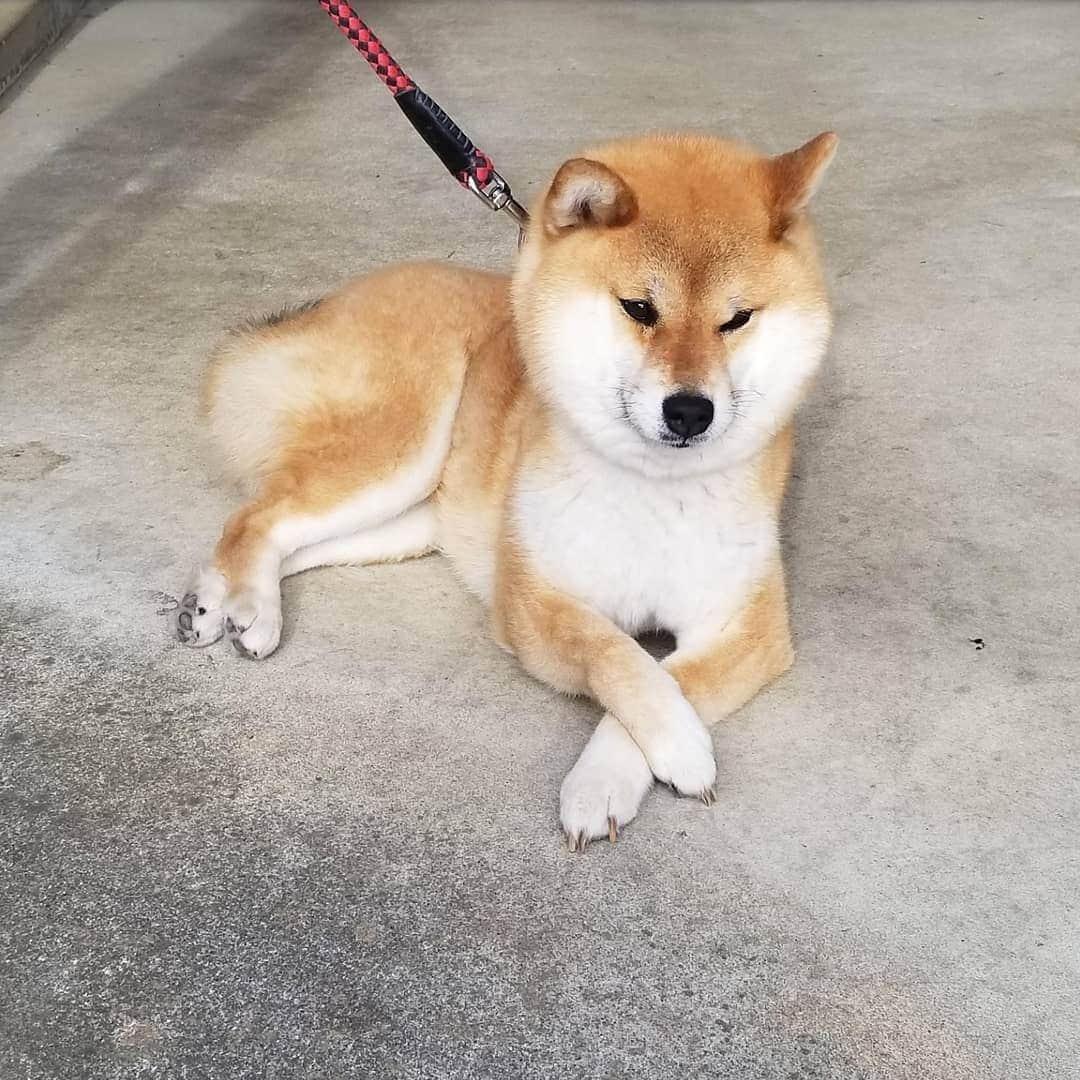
[471, 167]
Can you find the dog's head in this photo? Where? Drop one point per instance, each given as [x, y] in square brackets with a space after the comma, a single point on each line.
[668, 298]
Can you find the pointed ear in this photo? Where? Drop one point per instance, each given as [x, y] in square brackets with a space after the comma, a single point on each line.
[585, 192]
[795, 177]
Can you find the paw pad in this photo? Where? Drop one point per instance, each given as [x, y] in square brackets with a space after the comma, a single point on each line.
[195, 623]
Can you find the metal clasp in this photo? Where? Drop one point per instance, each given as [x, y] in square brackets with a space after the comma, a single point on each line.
[496, 195]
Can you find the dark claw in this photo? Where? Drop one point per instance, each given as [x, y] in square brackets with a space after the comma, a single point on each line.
[612, 829]
[242, 649]
[184, 619]
[708, 796]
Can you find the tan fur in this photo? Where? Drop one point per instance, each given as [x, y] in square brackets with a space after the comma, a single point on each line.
[753, 651]
[342, 398]
[356, 383]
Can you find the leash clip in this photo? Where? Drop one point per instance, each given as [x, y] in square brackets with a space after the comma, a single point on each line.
[496, 195]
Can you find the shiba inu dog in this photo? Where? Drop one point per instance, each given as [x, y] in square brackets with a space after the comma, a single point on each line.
[600, 444]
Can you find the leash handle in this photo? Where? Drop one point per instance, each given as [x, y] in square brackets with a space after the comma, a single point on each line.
[451, 145]
[472, 168]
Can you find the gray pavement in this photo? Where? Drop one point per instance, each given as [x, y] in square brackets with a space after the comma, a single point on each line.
[345, 862]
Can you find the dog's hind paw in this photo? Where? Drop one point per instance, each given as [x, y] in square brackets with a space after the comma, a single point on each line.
[604, 789]
[253, 624]
[199, 619]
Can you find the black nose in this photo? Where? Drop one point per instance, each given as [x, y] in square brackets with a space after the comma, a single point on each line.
[687, 415]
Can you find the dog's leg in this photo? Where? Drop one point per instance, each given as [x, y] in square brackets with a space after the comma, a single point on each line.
[718, 668]
[320, 493]
[577, 650]
[604, 789]
[407, 536]
[722, 667]
[339, 415]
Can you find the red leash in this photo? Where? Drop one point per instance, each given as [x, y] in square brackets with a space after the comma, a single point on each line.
[470, 165]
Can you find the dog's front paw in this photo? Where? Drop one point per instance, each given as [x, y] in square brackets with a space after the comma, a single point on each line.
[680, 753]
[199, 619]
[604, 789]
[253, 624]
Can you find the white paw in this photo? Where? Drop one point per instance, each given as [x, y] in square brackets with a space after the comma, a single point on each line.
[199, 619]
[604, 789]
[253, 623]
[680, 752]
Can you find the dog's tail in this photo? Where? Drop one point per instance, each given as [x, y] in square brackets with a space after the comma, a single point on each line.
[256, 378]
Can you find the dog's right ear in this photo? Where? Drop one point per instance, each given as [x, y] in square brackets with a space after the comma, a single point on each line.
[584, 192]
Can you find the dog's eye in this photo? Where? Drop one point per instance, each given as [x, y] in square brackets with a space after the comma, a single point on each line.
[740, 318]
[641, 311]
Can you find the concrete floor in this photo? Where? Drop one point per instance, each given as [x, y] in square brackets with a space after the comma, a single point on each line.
[345, 862]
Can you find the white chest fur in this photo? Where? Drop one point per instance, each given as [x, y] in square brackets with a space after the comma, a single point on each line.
[672, 554]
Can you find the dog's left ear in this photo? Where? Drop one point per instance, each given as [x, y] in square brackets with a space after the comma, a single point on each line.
[795, 176]
[586, 192]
